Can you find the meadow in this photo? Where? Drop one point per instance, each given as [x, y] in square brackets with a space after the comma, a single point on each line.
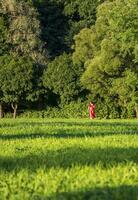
[73, 159]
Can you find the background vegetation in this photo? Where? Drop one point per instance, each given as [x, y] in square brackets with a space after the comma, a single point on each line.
[58, 54]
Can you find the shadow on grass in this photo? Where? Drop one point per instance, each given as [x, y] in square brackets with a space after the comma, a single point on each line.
[71, 123]
[67, 133]
[68, 157]
[124, 192]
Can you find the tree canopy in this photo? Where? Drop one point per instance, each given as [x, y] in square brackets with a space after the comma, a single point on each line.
[75, 50]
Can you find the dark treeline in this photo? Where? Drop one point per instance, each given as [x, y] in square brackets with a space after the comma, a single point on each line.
[65, 53]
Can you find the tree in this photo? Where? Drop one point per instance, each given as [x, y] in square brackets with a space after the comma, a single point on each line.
[23, 42]
[24, 30]
[16, 79]
[81, 14]
[115, 56]
[3, 50]
[54, 25]
[126, 87]
[61, 78]
[61, 20]
[84, 46]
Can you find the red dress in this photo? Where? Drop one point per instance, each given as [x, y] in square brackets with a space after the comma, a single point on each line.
[92, 111]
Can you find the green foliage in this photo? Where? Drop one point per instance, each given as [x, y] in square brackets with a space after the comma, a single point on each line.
[126, 87]
[54, 25]
[99, 65]
[3, 34]
[84, 46]
[81, 14]
[23, 56]
[72, 110]
[16, 75]
[61, 20]
[113, 65]
[23, 29]
[85, 11]
[61, 77]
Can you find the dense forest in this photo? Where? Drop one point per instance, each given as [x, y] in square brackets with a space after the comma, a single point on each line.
[58, 55]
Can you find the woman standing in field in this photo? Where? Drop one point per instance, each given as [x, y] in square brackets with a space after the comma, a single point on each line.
[91, 110]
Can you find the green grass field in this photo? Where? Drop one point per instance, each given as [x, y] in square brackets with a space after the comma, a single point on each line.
[68, 159]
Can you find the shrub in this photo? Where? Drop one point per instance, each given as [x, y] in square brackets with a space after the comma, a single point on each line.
[79, 109]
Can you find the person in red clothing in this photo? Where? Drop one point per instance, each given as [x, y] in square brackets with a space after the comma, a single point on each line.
[91, 110]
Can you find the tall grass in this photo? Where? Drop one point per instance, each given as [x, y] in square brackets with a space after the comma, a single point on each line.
[68, 159]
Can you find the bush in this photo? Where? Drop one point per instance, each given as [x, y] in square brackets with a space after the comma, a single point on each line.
[104, 110]
[72, 110]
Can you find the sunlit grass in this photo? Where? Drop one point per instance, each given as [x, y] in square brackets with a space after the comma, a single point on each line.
[68, 159]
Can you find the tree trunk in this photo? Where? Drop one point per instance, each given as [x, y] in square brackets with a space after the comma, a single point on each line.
[1, 110]
[136, 109]
[14, 107]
